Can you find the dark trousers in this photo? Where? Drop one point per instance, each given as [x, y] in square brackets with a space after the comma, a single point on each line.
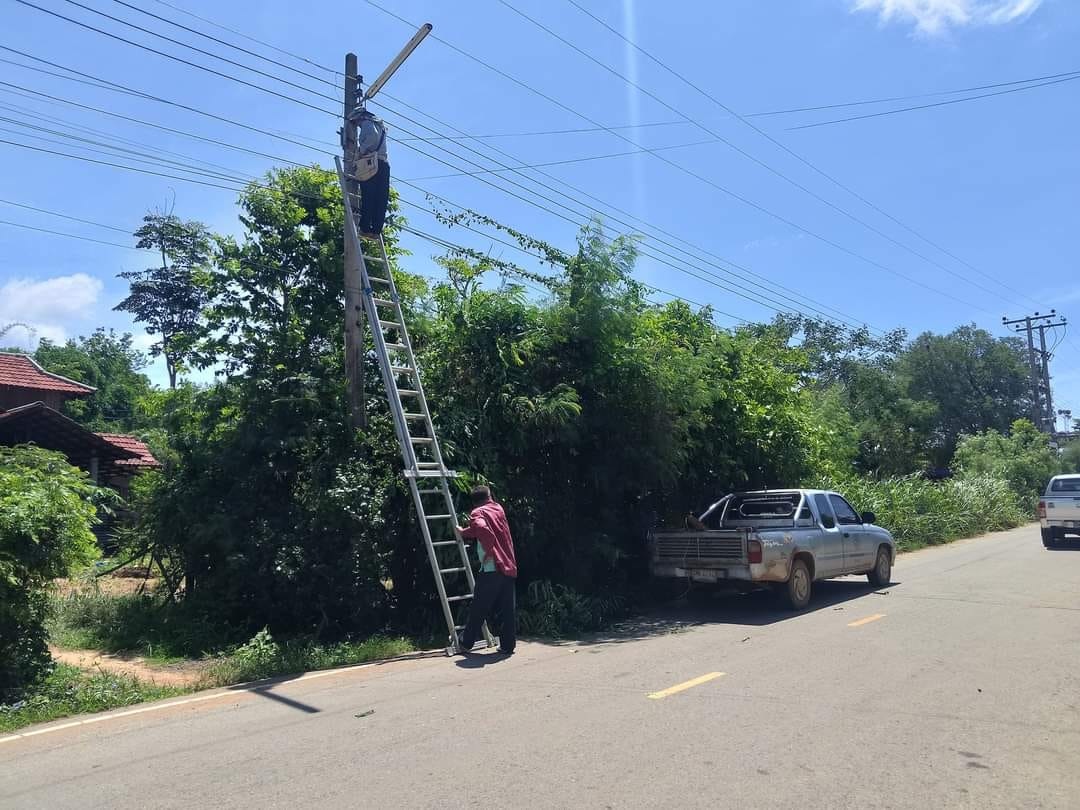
[494, 602]
[374, 198]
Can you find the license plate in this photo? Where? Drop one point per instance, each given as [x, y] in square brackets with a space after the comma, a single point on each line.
[708, 574]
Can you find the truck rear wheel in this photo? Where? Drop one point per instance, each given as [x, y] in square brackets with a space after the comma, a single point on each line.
[799, 585]
[881, 574]
[1049, 538]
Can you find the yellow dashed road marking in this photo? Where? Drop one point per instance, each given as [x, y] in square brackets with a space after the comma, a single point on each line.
[682, 687]
[867, 620]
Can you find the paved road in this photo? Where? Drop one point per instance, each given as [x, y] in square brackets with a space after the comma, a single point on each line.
[959, 687]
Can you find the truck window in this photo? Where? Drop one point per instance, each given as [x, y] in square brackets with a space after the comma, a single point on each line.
[1065, 485]
[825, 511]
[845, 515]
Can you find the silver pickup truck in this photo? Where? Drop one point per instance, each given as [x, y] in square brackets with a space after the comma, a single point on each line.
[1059, 509]
[784, 539]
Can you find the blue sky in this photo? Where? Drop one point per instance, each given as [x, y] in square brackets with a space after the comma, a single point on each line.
[993, 181]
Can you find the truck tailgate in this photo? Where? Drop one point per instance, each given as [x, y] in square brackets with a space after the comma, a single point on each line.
[1063, 506]
[724, 546]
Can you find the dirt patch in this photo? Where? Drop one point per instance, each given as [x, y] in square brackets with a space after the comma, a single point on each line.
[184, 674]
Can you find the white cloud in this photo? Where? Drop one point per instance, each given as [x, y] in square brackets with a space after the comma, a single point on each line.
[45, 305]
[937, 16]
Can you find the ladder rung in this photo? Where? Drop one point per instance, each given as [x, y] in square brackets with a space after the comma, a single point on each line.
[389, 324]
[445, 543]
[380, 279]
[415, 416]
[428, 465]
[459, 598]
[421, 440]
[408, 392]
[438, 517]
[451, 570]
[382, 302]
[401, 346]
[378, 259]
[402, 370]
[431, 474]
[430, 491]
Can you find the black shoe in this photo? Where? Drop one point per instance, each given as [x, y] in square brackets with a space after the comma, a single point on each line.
[505, 652]
[463, 648]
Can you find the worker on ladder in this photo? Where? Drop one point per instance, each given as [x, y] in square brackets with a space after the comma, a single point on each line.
[372, 172]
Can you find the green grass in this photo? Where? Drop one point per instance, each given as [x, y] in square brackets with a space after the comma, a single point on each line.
[89, 619]
[265, 657]
[69, 691]
[922, 513]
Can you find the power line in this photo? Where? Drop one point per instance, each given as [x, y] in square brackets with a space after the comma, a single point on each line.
[743, 119]
[890, 99]
[460, 157]
[936, 104]
[421, 151]
[728, 143]
[171, 56]
[574, 131]
[679, 166]
[721, 285]
[119, 88]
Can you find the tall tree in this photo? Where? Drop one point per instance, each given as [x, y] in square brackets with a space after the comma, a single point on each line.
[169, 299]
[978, 383]
[108, 362]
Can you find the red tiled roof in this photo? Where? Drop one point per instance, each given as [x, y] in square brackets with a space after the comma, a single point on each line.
[20, 371]
[132, 445]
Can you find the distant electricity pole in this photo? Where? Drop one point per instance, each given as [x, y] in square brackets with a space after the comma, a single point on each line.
[1042, 405]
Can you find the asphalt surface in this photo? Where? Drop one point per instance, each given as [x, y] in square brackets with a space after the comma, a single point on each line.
[957, 686]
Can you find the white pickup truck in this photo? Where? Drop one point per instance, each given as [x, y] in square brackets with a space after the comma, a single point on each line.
[1059, 509]
[782, 539]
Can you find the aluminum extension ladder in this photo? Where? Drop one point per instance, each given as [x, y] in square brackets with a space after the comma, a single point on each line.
[427, 475]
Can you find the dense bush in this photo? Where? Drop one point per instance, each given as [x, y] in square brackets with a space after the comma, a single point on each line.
[1022, 457]
[47, 509]
[921, 513]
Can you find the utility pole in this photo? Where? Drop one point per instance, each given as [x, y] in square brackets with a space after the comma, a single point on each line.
[1042, 409]
[354, 305]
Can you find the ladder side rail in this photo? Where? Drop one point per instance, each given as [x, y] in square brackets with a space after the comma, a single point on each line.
[397, 411]
[448, 614]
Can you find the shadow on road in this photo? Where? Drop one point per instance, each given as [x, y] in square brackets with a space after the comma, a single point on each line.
[480, 660]
[756, 609]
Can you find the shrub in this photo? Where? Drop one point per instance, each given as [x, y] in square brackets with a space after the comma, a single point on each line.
[553, 611]
[920, 513]
[47, 508]
[1024, 458]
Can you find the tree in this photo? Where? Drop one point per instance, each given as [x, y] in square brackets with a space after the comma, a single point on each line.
[108, 362]
[169, 299]
[47, 510]
[977, 383]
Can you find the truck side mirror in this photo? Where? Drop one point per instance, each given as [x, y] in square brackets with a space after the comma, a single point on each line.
[828, 521]
[869, 517]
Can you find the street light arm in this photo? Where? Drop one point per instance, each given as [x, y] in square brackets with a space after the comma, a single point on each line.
[391, 69]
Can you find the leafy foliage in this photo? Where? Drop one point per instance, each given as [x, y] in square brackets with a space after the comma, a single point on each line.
[47, 508]
[170, 299]
[1023, 458]
[108, 362]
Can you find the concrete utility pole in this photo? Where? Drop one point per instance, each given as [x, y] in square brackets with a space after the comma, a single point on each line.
[1042, 409]
[354, 305]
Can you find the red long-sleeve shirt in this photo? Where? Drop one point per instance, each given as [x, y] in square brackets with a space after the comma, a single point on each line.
[488, 526]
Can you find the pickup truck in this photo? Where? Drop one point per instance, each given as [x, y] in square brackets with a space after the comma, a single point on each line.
[1059, 509]
[783, 539]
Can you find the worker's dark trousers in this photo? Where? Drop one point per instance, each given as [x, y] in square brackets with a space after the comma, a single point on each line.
[374, 197]
[494, 601]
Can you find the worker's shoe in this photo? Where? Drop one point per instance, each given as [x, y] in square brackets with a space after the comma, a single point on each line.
[463, 648]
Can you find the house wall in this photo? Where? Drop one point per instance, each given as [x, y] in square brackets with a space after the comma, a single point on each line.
[11, 397]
